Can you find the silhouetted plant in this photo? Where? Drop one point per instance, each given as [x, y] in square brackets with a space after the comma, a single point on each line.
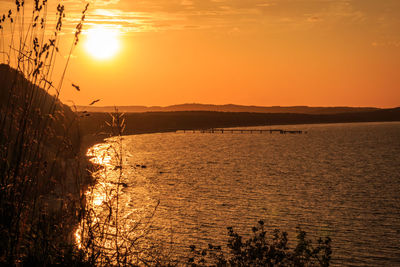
[106, 236]
[40, 172]
[263, 250]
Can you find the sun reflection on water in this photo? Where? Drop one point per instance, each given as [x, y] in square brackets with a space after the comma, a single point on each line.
[117, 213]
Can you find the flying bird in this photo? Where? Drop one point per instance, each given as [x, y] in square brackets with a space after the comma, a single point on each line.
[76, 87]
[95, 101]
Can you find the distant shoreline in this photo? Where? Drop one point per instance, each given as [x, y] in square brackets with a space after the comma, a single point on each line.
[229, 108]
[160, 122]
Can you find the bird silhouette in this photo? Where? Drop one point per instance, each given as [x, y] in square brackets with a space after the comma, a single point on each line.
[76, 87]
[95, 101]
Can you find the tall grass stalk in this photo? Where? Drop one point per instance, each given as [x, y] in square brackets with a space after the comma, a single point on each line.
[107, 236]
[39, 141]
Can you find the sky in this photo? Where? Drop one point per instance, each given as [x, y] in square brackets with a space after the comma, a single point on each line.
[248, 52]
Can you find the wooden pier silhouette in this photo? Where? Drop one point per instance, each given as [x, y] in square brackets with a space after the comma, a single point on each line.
[250, 131]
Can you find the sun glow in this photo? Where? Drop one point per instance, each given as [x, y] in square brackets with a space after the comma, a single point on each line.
[102, 43]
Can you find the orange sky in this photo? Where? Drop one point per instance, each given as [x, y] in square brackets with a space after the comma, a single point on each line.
[250, 52]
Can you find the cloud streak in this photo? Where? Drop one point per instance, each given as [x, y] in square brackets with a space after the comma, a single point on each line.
[161, 15]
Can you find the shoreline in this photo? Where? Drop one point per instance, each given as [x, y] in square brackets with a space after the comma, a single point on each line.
[90, 140]
[161, 122]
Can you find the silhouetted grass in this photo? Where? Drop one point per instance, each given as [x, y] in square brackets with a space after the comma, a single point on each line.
[40, 173]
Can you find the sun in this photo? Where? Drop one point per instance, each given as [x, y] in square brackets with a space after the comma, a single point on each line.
[102, 43]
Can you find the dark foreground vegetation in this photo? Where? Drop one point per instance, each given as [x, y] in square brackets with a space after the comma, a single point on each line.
[264, 249]
[41, 168]
[44, 176]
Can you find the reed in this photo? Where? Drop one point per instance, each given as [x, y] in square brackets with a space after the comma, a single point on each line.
[105, 235]
[40, 173]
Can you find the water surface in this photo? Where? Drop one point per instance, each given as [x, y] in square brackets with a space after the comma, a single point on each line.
[338, 180]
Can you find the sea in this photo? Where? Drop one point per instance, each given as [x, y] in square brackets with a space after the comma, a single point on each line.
[334, 180]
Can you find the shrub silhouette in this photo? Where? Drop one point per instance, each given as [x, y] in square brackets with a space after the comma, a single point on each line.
[263, 250]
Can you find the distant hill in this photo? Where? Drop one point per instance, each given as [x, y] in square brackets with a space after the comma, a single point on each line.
[229, 108]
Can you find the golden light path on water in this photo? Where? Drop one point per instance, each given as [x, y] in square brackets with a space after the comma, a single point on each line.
[117, 218]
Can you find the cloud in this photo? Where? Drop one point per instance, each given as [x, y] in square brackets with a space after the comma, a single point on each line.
[141, 15]
[387, 43]
[106, 2]
[314, 19]
[156, 15]
[129, 21]
[187, 3]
